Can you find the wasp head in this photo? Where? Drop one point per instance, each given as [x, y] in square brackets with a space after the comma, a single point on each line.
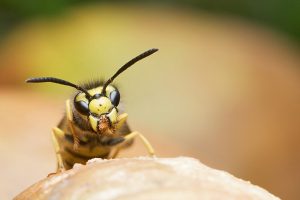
[100, 108]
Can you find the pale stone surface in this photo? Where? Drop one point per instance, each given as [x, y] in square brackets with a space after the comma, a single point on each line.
[144, 178]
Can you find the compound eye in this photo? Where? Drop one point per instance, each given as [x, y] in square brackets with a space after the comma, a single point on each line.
[82, 107]
[115, 97]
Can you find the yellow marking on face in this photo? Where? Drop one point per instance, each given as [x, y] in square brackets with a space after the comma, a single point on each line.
[98, 90]
[109, 89]
[100, 106]
[93, 122]
[81, 97]
[113, 115]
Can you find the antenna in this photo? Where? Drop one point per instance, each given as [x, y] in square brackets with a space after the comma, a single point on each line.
[58, 81]
[126, 66]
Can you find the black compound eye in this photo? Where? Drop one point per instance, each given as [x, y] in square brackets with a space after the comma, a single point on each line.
[115, 97]
[82, 107]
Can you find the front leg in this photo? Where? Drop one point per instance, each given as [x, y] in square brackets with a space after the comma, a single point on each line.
[146, 143]
[121, 120]
[115, 151]
[57, 137]
[69, 114]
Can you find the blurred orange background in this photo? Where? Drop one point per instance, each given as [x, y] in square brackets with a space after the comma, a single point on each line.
[222, 89]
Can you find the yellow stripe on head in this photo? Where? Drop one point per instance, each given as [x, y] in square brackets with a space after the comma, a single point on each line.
[100, 106]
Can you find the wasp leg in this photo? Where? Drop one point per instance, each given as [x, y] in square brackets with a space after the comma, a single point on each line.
[114, 152]
[121, 120]
[147, 144]
[58, 134]
[70, 124]
[118, 143]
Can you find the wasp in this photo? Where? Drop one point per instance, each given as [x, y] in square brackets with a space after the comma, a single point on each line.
[93, 126]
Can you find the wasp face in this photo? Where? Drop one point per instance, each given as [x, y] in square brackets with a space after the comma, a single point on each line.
[101, 109]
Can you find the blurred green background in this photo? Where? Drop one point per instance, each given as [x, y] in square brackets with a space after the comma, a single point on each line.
[223, 88]
[281, 15]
